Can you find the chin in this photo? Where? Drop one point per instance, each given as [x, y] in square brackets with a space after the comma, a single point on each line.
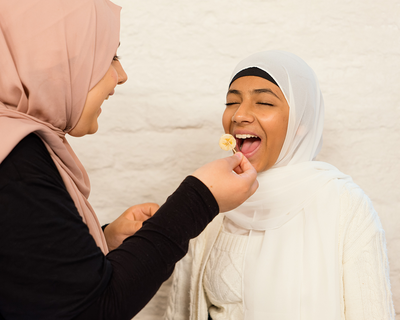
[93, 131]
[93, 128]
[256, 166]
[260, 167]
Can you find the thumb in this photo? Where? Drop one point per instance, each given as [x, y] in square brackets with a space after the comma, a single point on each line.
[247, 168]
[234, 160]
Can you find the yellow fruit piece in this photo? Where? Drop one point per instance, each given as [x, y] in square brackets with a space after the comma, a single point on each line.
[227, 142]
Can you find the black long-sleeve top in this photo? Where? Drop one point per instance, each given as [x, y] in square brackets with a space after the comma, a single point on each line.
[51, 267]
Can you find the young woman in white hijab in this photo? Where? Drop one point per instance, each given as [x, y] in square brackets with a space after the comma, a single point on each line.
[308, 244]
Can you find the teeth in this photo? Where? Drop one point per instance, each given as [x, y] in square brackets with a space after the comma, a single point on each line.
[245, 136]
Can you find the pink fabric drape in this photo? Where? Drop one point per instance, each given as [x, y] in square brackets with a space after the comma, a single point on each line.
[51, 54]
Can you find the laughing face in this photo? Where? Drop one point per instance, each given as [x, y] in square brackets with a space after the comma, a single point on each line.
[257, 115]
[87, 123]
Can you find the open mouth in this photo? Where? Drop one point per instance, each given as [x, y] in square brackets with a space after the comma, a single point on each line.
[247, 143]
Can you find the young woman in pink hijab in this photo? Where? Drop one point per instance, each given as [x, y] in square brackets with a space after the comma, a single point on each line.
[57, 65]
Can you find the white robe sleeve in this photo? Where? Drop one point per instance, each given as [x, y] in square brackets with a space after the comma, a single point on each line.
[366, 283]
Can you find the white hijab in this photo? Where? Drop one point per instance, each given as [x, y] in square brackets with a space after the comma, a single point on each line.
[295, 275]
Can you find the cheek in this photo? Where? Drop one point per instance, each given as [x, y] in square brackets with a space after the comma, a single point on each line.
[111, 79]
[275, 127]
[227, 119]
[284, 121]
[114, 76]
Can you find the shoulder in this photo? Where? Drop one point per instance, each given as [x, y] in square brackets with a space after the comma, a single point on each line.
[355, 204]
[355, 207]
[31, 145]
[359, 221]
[29, 160]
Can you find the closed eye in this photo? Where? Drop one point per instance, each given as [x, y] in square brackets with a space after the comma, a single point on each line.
[265, 104]
[231, 103]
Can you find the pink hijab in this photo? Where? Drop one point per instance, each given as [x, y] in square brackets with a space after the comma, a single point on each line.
[52, 53]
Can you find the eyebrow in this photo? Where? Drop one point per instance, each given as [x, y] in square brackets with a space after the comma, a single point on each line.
[232, 91]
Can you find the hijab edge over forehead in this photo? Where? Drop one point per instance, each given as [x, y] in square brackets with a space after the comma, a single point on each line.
[255, 72]
[300, 87]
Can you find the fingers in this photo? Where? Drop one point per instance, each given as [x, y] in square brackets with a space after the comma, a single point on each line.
[254, 187]
[238, 169]
[249, 173]
[229, 189]
[134, 227]
[234, 160]
[128, 223]
[141, 212]
[129, 227]
[148, 209]
[247, 168]
[246, 171]
[154, 207]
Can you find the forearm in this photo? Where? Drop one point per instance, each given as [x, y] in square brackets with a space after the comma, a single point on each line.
[144, 261]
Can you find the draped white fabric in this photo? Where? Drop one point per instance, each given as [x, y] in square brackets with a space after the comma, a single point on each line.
[297, 205]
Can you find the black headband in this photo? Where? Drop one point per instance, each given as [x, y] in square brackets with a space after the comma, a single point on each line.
[253, 71]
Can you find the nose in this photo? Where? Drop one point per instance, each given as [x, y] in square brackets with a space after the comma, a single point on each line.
[122, 76]
[243, 114]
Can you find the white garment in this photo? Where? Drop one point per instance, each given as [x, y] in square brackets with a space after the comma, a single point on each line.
[296, 205]
[362, 263]
[223, 275]
[298, 272]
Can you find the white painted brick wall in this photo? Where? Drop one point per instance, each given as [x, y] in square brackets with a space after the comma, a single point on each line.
[166, 120]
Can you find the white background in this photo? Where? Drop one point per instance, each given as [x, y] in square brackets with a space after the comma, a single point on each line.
[166, 120]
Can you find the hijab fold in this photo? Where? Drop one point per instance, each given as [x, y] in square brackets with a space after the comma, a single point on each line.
[52, 54]
[295, 273]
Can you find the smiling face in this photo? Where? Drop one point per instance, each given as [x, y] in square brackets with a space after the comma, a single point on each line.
[257, 115]
[87, 123]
